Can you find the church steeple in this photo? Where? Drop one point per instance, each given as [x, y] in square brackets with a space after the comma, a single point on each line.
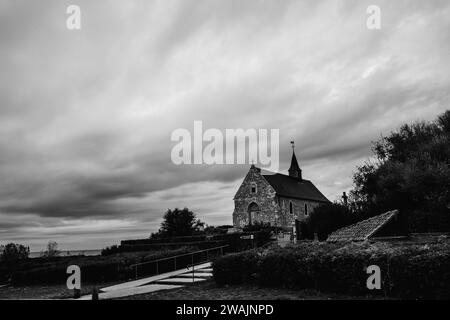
[294, 170]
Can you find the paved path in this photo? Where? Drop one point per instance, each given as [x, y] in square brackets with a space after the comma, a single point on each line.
[197, 275]
[180, 280]
[165, 281]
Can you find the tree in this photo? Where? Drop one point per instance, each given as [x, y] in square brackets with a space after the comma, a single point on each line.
[327, 218]
[13, 252]
[52, 250]
[179, 223]
[411, 172]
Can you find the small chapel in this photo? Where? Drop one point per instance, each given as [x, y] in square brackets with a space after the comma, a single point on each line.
[275, 198]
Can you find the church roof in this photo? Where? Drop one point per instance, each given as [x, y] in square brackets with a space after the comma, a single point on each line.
[362, 230]
[294, 188]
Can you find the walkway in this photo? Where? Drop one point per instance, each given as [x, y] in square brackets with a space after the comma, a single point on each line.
[166, 281]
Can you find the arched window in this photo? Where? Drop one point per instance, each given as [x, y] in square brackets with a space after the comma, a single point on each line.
[291, 207]
[253, 188]
[306, 209]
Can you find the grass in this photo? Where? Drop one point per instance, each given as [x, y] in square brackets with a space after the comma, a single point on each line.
[58, 291]
[209, 290]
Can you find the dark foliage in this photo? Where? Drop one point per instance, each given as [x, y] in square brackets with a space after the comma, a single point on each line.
[236, 268]
[178, 223]
[305, 230]
[234, 241]
[411, 173]
[261, 226]
[326, 219]
[13, 252]
[111, 250]
[407, 270]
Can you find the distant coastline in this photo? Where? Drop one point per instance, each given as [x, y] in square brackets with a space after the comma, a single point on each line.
[68, 253]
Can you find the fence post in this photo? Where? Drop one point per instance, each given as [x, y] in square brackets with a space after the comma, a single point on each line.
[157, 267]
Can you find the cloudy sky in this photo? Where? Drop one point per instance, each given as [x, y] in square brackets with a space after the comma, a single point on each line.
[86, 115]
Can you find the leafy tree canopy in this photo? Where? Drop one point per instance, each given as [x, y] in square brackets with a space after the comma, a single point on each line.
[13, 252]
[326, 219]
[411, 172]
[51, 251]
[179, 223]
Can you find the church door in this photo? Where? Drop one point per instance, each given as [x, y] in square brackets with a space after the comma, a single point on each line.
[253, 211]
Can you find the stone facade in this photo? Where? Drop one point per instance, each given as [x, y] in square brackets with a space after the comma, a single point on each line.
[271, 208]
[264, 197]
[300, 212]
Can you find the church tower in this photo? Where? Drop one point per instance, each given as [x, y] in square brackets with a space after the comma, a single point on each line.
[294, 170]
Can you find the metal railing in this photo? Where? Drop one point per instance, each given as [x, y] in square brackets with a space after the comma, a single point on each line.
[192, 264]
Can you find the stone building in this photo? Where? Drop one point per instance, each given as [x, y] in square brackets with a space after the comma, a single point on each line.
[278, 199]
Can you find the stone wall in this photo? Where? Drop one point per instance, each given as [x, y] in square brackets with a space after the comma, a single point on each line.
[287, 219]
[264, 198]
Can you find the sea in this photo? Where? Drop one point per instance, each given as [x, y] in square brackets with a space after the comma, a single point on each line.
[68, 253]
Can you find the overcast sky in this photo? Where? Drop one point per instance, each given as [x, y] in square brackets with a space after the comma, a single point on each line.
[86, 115]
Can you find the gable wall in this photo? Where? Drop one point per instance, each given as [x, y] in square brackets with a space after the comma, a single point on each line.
[264, 198]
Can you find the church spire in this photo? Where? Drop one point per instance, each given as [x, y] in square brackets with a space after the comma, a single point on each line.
[294, 170]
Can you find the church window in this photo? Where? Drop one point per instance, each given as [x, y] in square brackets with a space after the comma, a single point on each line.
[306, 209]
[291, 207]
[253, 188]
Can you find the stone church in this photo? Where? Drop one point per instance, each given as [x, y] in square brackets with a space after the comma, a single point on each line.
[278, 199]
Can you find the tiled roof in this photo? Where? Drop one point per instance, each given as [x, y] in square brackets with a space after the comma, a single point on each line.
[362, 230]
[294, 188]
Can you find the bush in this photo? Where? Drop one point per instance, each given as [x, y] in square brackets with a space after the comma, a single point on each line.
[327, 218]
[51, 251]
[233, 240]
[407, 270]
[111, 250]
[235, 268]
[13, 252]
[306, 231]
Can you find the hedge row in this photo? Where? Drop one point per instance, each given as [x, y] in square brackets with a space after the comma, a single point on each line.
[407, 271]
[233, 240]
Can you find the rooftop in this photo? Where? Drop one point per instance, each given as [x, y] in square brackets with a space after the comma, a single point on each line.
[362, 230]
[294, 188]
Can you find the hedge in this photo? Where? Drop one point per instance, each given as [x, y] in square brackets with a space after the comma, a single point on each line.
[224, 268]
[407, 271]
[233, 240]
